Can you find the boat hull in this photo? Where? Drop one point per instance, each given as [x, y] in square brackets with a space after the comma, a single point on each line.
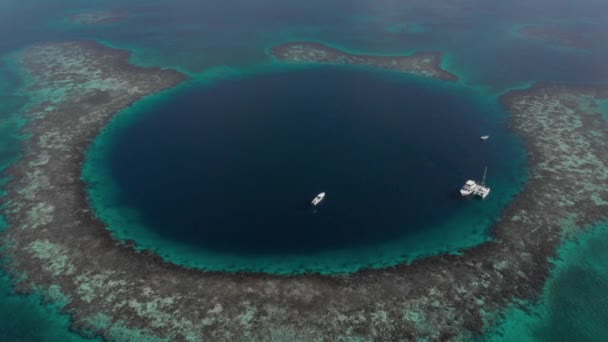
[465, 193]
[318, 199]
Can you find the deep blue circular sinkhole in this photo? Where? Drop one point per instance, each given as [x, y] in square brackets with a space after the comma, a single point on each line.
[233, 167]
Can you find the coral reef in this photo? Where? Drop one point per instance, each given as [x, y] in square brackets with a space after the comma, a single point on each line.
[56, 245]
[423, 63]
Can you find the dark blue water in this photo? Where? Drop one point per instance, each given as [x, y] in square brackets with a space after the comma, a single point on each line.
[234, 167]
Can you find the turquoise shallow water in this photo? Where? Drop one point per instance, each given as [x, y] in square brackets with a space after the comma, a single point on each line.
[604, 108]
[574, 304]
[26, 318]
[212, 42]
[23, 317]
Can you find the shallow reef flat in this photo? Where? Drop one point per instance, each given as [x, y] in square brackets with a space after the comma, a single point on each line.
[56, 245]
[422, 63]
[99, 17]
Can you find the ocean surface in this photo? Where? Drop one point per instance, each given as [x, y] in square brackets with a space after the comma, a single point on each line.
[223, 47]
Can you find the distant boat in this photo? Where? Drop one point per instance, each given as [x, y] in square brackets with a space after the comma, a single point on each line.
[485, 137]
[318, 199]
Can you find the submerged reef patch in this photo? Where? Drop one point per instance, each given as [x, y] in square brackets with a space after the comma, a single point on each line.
[568, 37]
[55, 244]
[99, 17]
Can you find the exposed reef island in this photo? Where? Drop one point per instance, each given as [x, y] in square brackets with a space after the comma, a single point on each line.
[99, 17]
[422, 63]
[57, 246]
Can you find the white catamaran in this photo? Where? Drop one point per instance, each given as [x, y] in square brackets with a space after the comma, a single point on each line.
[482, 190]
[472, 187]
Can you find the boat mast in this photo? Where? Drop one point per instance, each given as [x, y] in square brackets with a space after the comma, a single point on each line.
[483, 182]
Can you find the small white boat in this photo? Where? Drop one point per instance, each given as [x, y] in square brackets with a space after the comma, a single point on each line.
[318, 199]
[468, 188]
[485, 137]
